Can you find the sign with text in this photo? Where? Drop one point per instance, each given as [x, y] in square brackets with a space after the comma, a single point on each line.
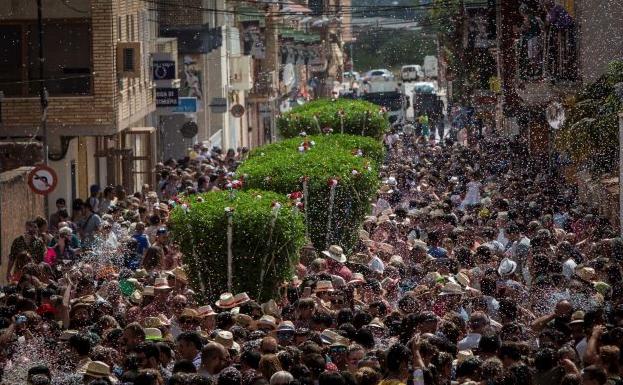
[167, 97]
[164, 70]
[186, 105]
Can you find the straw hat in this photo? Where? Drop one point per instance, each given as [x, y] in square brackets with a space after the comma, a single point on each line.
[148, 291]
[267, 321]
[464, 355]
[322, 286]
[152, 322]
[585, 273]
[226, 301]
[336, 253]
[205, 311]
[162, 284]
[286, 326]
[165, 321]
[507, 267]
[136, 297]
[244, 320]
[386, 248]
[241, 298]
[451, 288]
[97, 369]
[153, 334]
[67, 334]
[329, 336]
[141, 273]
[361, 258]
[270, 308]
[189, 313]
[356, 279]
[377, 323]
[226, 338]
[577, 317]
[462, 279]
[180, 274]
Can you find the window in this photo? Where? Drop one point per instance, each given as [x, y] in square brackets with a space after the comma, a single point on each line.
[67, 50]
[128, 59]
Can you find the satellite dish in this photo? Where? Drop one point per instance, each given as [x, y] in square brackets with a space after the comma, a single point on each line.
[555, 114]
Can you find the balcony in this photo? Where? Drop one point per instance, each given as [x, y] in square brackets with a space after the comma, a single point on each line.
[547, 64]
[263, 86]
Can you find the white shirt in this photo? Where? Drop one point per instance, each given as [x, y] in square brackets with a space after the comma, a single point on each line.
[381, 205]
[470, 341]
[581, 348]
[473, 193]
[568, 268]
[377, 265]
[502, 238]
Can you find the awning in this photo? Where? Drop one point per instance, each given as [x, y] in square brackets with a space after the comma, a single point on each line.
[140, 130]
[299, 36]
[250, 14]
[296, 9]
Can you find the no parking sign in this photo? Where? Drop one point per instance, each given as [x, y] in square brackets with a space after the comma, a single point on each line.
[42, 179]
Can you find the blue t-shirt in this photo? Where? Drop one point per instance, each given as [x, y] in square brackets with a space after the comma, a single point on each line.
[142, 243]
[437, 252]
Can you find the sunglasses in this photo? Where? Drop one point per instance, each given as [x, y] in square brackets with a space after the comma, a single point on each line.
[338, 349]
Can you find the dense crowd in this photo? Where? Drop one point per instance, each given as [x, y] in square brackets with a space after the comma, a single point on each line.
[474, 267]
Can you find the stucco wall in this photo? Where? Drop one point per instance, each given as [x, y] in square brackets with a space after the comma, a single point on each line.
[600, 34]
[17, 205]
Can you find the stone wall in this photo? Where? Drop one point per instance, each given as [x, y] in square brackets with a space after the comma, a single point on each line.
[17, 205]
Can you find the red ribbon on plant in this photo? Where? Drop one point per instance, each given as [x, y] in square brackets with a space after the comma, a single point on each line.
[295, 195]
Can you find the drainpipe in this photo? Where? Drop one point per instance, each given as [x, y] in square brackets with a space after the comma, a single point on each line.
[620, 173]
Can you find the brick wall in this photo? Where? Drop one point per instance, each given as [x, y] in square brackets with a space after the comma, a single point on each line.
[109, 108]
[181, 12]
[17, 205]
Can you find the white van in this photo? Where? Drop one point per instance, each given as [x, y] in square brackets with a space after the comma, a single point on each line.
[411, 72]
[430, 66]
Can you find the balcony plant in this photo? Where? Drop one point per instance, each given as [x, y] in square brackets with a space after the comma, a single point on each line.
[590, 133]
[267, 231]
[355, 117]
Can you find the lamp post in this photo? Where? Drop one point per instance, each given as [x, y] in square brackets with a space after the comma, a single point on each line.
[620, 173]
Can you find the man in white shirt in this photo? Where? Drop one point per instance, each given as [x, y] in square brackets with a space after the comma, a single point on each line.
[477, 324]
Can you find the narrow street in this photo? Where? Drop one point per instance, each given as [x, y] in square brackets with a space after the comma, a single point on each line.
[332, 192]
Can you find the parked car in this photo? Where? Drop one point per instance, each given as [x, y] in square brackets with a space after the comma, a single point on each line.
[411, 72]
[379, 74]
[430, 66]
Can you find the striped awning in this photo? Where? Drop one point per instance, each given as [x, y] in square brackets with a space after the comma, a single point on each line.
[250, 14]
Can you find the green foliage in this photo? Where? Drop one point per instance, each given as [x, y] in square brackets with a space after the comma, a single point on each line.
[201, 233]
[590, 133]
[371, 148]
[360, 118]
[280, 167]
[392, 49]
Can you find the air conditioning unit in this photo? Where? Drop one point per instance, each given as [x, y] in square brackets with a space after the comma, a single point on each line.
[129, 61]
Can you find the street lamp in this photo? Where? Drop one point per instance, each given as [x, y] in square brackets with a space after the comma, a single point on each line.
[1, 100]
[620, 173]
[618, 90]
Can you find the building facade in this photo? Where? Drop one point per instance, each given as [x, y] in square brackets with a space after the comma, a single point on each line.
[97, 75]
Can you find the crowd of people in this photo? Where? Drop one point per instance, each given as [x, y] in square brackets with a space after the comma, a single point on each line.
[473, 267]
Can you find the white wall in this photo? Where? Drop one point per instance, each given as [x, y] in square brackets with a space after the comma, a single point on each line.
[63, 170]
[601, 35]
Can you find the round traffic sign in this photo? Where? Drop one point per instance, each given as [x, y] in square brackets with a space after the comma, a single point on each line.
[189, 129]
[237, 110]
[42, 179]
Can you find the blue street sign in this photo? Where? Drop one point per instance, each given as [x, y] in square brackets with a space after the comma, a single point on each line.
[186, 105]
